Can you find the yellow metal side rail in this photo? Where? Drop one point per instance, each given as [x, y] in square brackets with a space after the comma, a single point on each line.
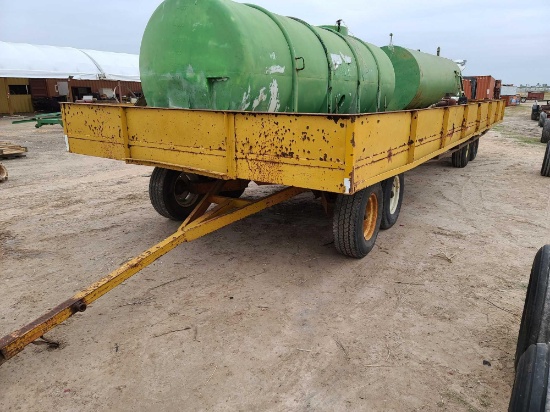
[201, 222]
[334, 153]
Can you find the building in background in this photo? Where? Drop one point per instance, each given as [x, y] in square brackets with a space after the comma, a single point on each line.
[34, 77]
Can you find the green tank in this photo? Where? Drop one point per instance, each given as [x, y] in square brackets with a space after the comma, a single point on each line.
[421, 79]
[222, 55]
[217, 54]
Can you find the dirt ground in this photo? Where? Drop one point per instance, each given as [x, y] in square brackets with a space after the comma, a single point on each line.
[264, 314]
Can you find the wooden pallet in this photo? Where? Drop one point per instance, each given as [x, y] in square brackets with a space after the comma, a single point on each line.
[9, 150]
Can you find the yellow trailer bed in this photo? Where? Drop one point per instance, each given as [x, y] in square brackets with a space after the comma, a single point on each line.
[354, 162]
[333, 153]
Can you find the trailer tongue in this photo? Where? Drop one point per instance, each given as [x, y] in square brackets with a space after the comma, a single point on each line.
[196, 225]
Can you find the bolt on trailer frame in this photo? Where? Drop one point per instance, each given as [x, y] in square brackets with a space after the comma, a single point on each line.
[341, 155]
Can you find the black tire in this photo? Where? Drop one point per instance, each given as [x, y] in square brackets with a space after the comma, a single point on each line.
[169, 194]
[529, 393]
[542, 119]
[356, 221]
[545, 138]
[461, 157]
[392, 189]
[535, 320]
[545, 169]
[473, 150]
[535, 112]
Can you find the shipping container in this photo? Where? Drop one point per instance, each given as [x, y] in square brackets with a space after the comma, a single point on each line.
[483, 87]
[535, 95]
[76, 89]
[511, 100]
[15, 96]
[29, 95]
[48, 93]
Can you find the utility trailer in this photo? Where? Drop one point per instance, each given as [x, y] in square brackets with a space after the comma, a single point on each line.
[205, 159]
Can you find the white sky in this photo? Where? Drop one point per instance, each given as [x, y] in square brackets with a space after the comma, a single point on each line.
[503, 38]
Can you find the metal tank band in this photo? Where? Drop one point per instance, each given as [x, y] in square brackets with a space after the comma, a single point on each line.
[294, 92]
[379, 89]
[357, 65]
[329, 79]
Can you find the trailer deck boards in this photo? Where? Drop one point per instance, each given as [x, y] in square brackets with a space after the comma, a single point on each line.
[334, 153]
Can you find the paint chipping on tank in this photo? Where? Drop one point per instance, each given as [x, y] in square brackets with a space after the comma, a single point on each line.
[339, 59]
[275, 69]
[246, 100]
[261, 98]
[347, 59]
[274, 102]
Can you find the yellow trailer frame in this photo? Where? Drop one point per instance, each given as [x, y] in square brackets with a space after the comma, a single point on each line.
[330, 153]
[333, 153]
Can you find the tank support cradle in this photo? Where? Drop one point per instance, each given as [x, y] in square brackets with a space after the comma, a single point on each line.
[199, 223]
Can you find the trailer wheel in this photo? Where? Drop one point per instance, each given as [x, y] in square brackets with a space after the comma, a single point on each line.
[392, 189]
[545, 170]
[169, 193]
[535, 112]
[473, 150]
[460, 157]
[356, 221]
[545, 138]
[531, 382]
[535, 320]
[542, 119]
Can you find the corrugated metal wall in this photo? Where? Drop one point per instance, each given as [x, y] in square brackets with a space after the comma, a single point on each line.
[95, 85]
[39, 87]
[14, 103]
[485, 87]
[47, 88]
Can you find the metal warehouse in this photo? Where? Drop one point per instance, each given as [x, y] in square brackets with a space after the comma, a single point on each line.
[37, 77]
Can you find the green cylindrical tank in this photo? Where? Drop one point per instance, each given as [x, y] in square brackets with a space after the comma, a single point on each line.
[421, 79]
[217, 54]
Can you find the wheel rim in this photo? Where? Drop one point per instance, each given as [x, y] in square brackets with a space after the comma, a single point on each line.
[181, 191]
[467, 151]
[371, 216]
[395, 194]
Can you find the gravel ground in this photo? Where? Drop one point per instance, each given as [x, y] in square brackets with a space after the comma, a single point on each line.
[264, 314]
